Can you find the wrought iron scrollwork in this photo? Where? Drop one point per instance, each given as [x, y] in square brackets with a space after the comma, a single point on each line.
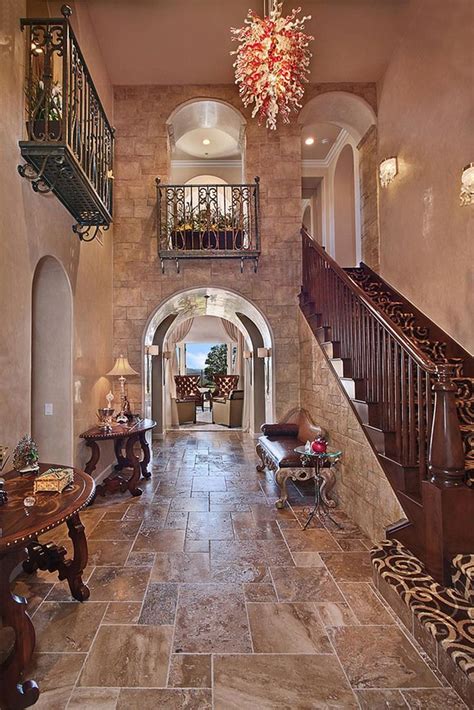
[88, 232]
[208, 221]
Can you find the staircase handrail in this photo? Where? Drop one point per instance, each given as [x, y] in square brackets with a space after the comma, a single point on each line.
[395, 331]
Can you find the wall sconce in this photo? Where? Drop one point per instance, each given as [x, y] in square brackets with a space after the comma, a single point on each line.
[265, 353]
[248, 355]
[152, 350]
[388, 168]
[467, 185]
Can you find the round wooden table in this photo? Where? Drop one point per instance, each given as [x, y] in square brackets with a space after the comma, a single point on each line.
[125, 437]
[19, 531]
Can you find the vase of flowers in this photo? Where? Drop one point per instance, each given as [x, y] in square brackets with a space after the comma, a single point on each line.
[25, 456]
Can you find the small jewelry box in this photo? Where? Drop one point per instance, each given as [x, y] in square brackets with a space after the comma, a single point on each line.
[54, 479]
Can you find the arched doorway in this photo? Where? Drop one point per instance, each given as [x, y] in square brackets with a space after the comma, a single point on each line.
[225, 304]
[333, 125]
[51, 362]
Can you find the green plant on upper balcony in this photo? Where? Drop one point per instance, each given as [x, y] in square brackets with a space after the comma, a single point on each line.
[44, 104]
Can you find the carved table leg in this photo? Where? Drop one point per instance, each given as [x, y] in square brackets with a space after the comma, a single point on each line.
[134, 463]
[260, 454]
[94, 459]
[74, 568]
[281, 477]
[146, 455]
[52, 557]
[329, 481]
[121, 460]
[15, 694]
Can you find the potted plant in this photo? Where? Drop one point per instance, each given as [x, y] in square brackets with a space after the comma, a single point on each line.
[45, 110]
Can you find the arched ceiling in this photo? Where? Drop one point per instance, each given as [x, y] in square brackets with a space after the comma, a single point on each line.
[205, 129]
[189, 41]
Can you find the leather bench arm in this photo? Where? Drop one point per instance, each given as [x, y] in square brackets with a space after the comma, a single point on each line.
[282, 429]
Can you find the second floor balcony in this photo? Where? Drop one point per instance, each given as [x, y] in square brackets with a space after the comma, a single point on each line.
[69, 141]
[209, 221]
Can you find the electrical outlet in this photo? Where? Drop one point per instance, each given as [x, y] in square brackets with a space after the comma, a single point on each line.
[48, 409]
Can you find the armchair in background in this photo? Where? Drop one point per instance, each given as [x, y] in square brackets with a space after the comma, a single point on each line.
[228, 410]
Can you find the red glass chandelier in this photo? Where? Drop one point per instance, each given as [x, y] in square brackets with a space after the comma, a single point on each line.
[272, 63]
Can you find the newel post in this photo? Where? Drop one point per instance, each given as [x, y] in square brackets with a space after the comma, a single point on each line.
[446, 452]
[448, 503]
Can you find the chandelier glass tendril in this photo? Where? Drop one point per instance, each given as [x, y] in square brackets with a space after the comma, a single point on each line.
[272, 63]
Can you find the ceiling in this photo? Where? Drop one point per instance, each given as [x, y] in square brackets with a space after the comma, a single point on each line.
[189, 41]
[324, 135]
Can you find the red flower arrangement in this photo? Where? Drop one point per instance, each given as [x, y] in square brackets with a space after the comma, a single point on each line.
[272, 63]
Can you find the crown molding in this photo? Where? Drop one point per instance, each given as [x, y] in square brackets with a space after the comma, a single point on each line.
[332, 155]
[206, 163]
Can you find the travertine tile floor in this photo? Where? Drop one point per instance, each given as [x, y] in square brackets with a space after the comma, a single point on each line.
[204, 595]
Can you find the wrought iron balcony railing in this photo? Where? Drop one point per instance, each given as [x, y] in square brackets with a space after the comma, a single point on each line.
[69, 145]
[208, 221]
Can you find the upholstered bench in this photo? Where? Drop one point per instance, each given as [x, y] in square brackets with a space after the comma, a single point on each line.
[276, 449]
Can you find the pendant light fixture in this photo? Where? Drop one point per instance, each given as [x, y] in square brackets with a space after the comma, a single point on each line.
[272, 62]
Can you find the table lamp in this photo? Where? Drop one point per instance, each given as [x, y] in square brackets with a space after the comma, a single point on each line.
[121, 369]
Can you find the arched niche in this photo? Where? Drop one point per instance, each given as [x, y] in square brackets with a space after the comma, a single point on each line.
[222, 303]
[206, 131]
[350, 112]
[51, 362]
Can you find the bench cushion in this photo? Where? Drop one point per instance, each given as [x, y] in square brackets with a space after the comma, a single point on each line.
[282, 450]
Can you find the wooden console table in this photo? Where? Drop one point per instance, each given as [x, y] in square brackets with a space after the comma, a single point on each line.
[19, 531]
[124, 437]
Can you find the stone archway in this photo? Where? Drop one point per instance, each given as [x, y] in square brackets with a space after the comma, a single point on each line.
[222, 303]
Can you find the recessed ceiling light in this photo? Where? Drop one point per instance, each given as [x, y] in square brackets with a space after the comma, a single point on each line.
[309, 141]
[206, 141]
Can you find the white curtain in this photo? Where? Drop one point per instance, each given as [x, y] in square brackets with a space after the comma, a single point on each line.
[244, 382]
[171, 369]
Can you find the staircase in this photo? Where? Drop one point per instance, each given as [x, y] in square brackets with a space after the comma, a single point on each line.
[411, 387]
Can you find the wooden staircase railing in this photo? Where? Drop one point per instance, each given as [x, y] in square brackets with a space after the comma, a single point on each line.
[406, 402]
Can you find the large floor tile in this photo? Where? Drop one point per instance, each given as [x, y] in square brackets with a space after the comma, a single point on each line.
[93, 699]
[115, 530]
[55, 674]
[165, 699]
[306, 682]
[310, 540]
[365, 604]
[159, 541]
[108, 552]
[349, 566]
[211, 618]
[190, 671]
[433, 699]
[118, 583]
[380, 657]
[304, 584]
[210, 526]
[67, 626]
[287, 628]
[128, 656]
[181, 567]
[159, 605]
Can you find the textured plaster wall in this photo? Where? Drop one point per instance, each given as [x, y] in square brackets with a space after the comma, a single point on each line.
[362, 489]
[33, 226]
[426, 118]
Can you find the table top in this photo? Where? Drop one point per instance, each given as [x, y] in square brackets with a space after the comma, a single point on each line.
[119, 431]
[17, 525]
[329, 454]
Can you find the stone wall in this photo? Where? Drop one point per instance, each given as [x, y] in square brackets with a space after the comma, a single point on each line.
[369, 220]
[362, 488]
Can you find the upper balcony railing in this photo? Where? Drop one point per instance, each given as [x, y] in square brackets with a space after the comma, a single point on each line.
[69, 146]
[208, 221]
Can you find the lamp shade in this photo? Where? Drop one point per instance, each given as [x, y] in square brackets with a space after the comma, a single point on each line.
[263, 352]
[153, 350]
[247, 354]
[122, 368]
